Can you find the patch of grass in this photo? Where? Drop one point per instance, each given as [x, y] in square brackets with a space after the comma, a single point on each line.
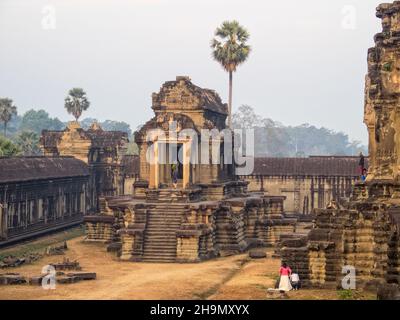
[355, 295]
[346, 294]
[40, 244]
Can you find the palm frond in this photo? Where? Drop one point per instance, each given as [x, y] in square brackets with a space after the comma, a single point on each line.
[229, 45]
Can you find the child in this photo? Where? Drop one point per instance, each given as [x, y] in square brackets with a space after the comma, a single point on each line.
[295, 280]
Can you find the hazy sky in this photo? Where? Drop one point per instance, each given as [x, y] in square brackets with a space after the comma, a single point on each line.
[307, 65]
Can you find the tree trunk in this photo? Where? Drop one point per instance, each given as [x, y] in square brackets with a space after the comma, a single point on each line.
[230, 101]
[5, 129]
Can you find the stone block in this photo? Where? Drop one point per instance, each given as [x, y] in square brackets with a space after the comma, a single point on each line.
[257, 254]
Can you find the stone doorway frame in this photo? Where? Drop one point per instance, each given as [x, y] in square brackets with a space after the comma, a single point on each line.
[154, 179]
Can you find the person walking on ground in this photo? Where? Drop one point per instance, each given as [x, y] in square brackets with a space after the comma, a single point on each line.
[284, 283]
[295, 281]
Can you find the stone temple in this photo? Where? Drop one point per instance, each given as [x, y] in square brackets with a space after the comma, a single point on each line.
[210, 213]
[364, 232]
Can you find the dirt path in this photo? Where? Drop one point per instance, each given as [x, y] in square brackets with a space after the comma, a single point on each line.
[235, 277]
[125, 280]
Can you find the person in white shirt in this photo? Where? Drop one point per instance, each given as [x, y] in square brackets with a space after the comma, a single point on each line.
[295, 280]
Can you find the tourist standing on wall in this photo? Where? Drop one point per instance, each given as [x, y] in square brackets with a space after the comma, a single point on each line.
[284, 283]
[364, 175]
[361, 163]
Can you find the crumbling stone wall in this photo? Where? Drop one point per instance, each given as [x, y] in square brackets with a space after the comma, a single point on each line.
[363, 233]
[102, 150]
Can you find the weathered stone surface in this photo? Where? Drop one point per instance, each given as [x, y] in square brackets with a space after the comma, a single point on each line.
[388, 292]
[363, 232]
[66, 265]
[11, 279]
[101, 150]
[208, 213]
[82, 275]
[257, 254]
[56, 250]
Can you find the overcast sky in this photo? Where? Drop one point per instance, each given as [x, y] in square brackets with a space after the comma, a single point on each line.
[307, 65]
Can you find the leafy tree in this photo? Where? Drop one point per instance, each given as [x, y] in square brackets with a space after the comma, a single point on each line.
[276, 140]
[39, 120]
[7, 148]
[7, 111]
[28, 142]
[87, 122]
[246, 118]
[133, 148]
[76, 102]
[230, 50]
[111, 125]
[108, 125]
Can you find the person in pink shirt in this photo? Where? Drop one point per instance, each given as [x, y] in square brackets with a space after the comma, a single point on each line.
[285, 273]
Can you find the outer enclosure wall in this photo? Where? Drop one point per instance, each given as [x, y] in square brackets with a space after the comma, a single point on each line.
[303, 194]
[34, 207]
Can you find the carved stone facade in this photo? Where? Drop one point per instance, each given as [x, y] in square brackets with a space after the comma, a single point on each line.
[40, 194]
[101, 150]
[364, 232]
[210, 213]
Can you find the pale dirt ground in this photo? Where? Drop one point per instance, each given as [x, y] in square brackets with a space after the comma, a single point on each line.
[234, 277]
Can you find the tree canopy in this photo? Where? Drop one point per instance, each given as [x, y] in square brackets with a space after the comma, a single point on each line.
[276, 140]
[7, 111]
[76, 102]
[229, 45]
[38, 120]
[8, 148]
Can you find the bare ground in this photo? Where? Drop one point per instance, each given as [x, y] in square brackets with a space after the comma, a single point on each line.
[235, 277]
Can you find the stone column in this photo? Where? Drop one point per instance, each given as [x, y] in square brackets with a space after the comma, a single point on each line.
[3, 221]
[154, 174]
[186, 163]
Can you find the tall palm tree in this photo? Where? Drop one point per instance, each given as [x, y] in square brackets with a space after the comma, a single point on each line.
[76, 102]
[7, 110]
[230, 50]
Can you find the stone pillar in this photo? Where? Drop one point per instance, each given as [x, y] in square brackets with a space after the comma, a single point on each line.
[3, 221]
[154, 174]
[186, 164]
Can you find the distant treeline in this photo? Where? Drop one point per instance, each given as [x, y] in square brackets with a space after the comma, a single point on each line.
[23, 131]
[273, 139]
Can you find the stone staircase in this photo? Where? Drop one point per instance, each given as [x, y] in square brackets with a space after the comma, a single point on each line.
[167, 195]
[160, 242]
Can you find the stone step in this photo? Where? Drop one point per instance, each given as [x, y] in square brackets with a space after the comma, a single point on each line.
[164, 226]
[160, 242]
[176, 219]
[157, 260]
[160, 249]
[159, 253]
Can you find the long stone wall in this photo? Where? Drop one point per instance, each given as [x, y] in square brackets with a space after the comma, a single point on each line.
[303, 194]
[36, 207]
